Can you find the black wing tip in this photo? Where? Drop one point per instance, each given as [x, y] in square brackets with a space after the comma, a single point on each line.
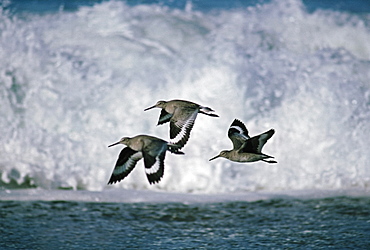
[154, 180]
[270, 133]
[156, 177]
[114, 180]
[161, 122]
[118, 178]
[239, 123]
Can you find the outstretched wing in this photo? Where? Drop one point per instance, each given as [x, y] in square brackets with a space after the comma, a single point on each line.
[154, 156]
[256, 143]
[181, 124]
[164, 117]
[126, 162]
[238, 133]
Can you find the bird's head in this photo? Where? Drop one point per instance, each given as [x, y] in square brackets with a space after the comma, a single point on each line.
[159, 104]
[223, 153]
[124, 140]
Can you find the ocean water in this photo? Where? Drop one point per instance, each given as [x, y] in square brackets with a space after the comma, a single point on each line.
[75, 76]
[338, 223]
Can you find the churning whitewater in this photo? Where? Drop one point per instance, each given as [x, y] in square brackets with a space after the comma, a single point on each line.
[71, 82]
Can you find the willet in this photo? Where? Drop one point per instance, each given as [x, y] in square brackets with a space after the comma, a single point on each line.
[181, 115]
[246, 148]
[152, 149]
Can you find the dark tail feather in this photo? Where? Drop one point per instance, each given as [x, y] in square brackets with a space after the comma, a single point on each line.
[178, 152]
[270, 161]
[207, 111]
[213, 115]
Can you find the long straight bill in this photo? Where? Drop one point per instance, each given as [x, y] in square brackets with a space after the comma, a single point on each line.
[214, 157]
[116, 143]
[150, 108]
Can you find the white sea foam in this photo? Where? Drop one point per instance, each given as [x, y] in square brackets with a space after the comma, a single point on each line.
[71, 83]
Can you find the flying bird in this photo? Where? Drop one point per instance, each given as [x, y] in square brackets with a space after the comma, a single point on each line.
[152, 149]
[246, 148]
[181, 115]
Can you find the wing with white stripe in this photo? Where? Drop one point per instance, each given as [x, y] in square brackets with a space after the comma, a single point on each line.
[126, 162]
[154, 165]
[180, 128]
[238, 133]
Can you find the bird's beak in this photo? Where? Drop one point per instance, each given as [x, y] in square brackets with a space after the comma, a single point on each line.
[116, 143]
[214, 157]
[150, 108]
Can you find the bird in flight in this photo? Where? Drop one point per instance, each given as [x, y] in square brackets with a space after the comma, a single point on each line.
[246, 148]
[151, 148]
[181, 115]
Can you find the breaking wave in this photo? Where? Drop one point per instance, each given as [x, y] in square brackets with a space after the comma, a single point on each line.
[72, 82]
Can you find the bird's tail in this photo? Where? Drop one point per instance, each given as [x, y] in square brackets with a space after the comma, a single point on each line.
[207, 111]
[269, 157]
[269, 161]
[174, 148]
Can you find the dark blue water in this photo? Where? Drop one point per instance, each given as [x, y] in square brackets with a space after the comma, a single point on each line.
[357, 6]
[336, 223]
